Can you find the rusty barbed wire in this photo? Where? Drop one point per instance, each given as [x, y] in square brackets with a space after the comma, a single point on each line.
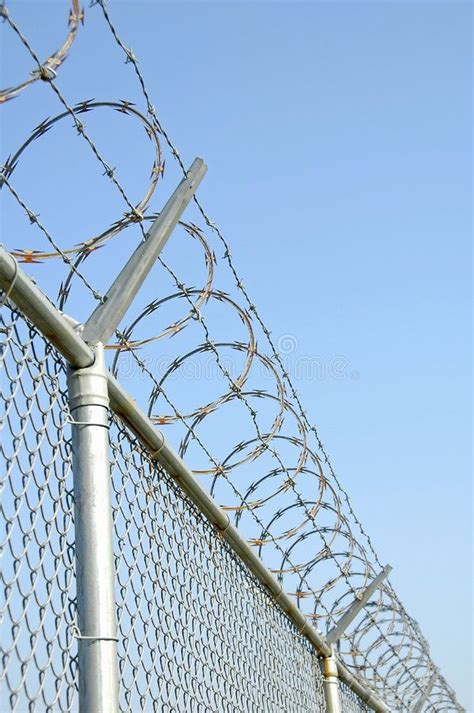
[386, 645]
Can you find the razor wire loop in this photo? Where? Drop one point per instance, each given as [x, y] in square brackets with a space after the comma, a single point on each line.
[48, 69]
[136, 212]
[408, 626]
[202, 297]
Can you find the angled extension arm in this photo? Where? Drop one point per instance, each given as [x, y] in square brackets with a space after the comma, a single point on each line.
[107, 316]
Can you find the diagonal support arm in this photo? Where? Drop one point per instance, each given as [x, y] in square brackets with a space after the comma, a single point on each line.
[418, 707]
[107, 316]
[356, 606]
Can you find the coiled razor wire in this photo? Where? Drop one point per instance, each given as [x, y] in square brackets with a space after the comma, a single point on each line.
[272, 483]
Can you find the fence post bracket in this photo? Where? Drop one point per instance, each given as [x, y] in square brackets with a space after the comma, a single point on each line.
[357, 605]
[105, 319]
[331, 683]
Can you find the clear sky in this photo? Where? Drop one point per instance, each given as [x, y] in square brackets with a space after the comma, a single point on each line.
[337, 136]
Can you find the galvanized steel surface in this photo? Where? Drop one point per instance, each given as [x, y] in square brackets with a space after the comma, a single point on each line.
[88, 402]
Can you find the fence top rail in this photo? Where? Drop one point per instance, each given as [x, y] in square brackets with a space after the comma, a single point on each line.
[59, 330]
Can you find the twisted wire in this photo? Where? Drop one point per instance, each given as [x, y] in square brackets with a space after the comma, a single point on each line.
[49, 67]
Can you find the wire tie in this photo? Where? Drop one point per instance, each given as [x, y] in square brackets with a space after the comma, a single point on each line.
[47, 74]
[73, 422]
[154, 454]
[76, 632]
[221, 531]
[277, 596]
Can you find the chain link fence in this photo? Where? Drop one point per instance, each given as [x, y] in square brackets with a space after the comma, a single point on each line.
[36, 525]
[350, 702]
[196, 631]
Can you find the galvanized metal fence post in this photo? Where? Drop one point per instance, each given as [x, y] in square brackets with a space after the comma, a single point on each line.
[331, 684]
[96, 613]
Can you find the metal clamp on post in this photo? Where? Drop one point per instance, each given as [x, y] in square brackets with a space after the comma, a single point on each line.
[331, 684]
[330, 663]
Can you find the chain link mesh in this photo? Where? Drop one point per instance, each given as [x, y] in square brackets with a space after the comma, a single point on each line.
[36, 525]
[197, 632]
[350, 702]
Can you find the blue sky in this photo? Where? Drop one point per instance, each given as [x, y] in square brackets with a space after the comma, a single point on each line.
[337, 137]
